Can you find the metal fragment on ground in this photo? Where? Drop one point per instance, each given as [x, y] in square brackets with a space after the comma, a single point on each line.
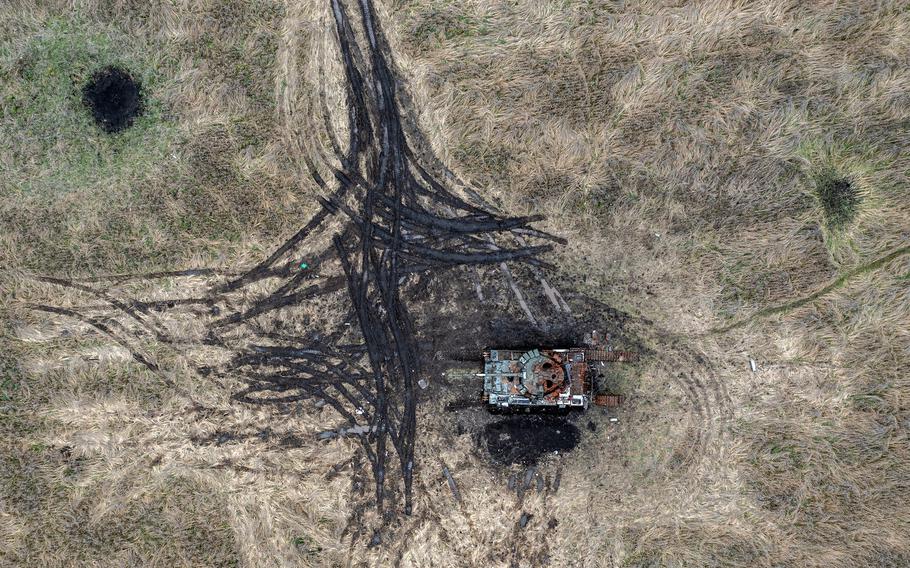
[453, 487]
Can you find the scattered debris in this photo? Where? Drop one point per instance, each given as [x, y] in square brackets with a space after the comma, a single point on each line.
[609, 400]
[547, 379]
[539, 378]
[596, 339]
[752, 365]
[358, 430]
[423, 383]
[452, 486]
[611, 356]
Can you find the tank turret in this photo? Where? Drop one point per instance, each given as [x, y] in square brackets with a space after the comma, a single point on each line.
[537, 379]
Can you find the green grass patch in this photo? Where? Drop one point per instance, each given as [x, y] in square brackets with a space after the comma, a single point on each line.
[849, 184]
[436, 25]
[9, 379]
[78, 199]
[50, 141]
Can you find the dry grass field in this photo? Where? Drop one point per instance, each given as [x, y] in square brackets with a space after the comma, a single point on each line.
[732, 176]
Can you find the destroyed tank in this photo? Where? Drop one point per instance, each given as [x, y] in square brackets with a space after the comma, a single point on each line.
[541, 379]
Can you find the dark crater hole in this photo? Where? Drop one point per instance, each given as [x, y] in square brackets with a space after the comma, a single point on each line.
[526, 439]
[114, 98]
[839, 199]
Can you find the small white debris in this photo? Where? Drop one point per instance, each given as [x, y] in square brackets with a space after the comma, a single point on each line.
[614, 420]
[320, 403]
[752, 365]
[359, 411]
[423, 383]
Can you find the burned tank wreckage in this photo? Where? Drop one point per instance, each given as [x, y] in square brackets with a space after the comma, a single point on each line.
[546, 379]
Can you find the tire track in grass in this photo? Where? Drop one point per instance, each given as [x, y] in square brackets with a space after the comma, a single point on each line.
[839, 282]
[709, 403]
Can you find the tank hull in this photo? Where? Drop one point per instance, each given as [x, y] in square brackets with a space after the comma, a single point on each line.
[537, 379]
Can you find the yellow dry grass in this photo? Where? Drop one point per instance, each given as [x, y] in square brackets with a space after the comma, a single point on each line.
[676, 145]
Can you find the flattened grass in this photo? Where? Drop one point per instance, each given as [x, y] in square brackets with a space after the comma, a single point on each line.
[693, 155]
